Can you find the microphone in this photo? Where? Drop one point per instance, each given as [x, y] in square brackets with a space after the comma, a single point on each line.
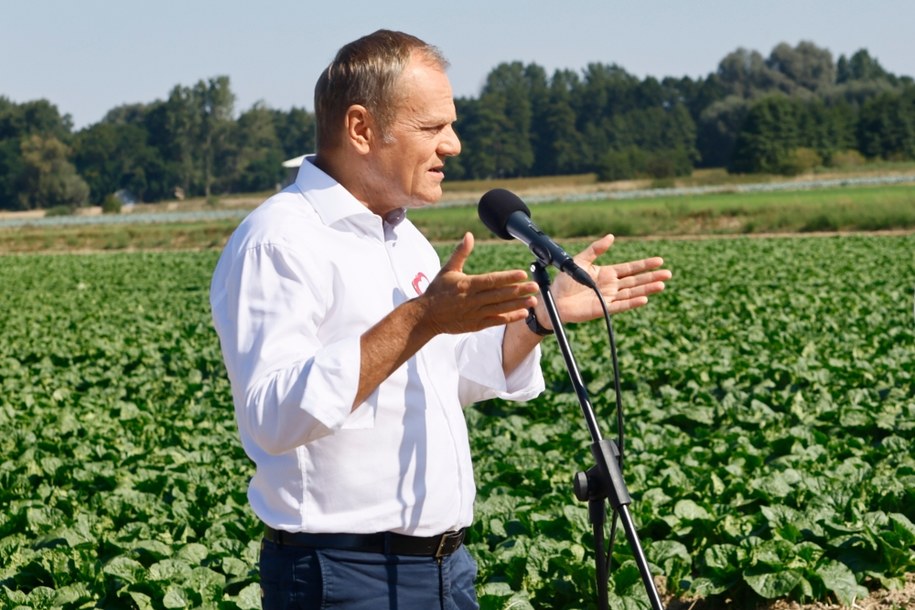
[507, 216]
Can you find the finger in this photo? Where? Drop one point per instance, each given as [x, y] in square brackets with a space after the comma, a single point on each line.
[503, 307]
[636, 292]
[627, 305]
[635, 267]
[499, 319]
[482, 312]
[594, 250]
[460, 254]
[646, 277]
[500, 279]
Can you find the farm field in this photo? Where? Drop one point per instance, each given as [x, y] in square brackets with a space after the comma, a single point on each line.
[769, 399]
[848, 204]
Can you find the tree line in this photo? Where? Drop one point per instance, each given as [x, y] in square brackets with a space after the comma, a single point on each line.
[786, 113]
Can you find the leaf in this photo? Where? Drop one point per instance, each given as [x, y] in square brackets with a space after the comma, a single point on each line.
[706, 587]
[840, 580]
[690, 510]
[903, 528]
[249, 598]
[673, 559]
[142, 601]
[772, 585]
[71, 595]
[723, 564]
[496, 589]
[175, 597]
[126, 569]
[232, 566]
[42, 597]
[194, 553]
[169, 570]
[153, 549]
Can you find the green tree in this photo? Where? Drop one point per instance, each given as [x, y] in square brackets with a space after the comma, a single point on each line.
[11, 173]
[295, 130]
[197, 123]
[861, 67]
[37, 116]
[806, 65]
[112, 156]
[538, 86]
[862, 78]
[827, 128]
[717, 130]
[254, 155]
[506, 101]
[624, 164]
[49, 179]
[18, 122]
[214, 103]
[481, 129]
[137, 136]
[768, 137]
[696, 95]
[560, 147]
[606, 90]
[180, 127]
[745, 74]
[163, 169]
[886, 127]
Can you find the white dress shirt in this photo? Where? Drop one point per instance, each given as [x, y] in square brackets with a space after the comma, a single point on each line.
[300, 280]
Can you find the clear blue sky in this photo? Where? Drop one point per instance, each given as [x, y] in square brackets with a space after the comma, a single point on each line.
[88, 56]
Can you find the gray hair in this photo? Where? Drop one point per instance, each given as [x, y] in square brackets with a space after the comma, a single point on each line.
[366, 72]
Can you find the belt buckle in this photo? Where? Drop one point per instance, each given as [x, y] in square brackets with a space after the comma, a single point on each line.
[444, 548]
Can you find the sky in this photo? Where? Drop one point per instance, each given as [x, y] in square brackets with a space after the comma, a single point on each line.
[89, 56]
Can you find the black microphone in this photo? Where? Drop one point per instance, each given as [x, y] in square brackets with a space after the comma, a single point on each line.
[507, 216]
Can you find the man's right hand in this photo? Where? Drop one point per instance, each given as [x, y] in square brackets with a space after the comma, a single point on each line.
[453, 303]
[456, 302]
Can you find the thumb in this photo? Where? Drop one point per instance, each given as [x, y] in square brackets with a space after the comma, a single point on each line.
[594, 250]
[460, 255]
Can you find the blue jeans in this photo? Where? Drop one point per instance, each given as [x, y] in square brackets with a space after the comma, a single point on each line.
[307, 578]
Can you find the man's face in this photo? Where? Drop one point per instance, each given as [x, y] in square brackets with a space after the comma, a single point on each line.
[409, 161]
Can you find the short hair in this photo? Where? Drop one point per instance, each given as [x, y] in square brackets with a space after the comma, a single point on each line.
[365, 72]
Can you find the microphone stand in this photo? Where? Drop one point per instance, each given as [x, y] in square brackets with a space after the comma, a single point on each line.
[604, 481]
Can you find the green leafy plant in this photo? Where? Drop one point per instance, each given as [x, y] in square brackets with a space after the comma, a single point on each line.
[769, 424]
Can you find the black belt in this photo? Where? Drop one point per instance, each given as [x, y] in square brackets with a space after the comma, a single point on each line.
[388, 543]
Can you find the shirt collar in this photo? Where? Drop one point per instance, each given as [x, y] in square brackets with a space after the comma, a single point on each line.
[334, 202]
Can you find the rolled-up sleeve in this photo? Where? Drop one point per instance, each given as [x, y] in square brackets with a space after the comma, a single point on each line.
[289, 388]
[479, 358]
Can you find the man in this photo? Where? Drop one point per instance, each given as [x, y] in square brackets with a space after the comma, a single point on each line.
[351, 352]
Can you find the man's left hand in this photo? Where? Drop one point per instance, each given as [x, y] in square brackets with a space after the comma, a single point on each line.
[624, 286]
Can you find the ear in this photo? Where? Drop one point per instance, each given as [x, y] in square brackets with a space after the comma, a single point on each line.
[360, 128]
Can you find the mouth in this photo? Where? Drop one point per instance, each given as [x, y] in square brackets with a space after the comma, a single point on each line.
[438, 171]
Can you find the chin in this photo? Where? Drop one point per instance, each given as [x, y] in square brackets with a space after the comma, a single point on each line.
[421, 201]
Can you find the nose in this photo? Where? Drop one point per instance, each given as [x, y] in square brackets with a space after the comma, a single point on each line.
[450, 145]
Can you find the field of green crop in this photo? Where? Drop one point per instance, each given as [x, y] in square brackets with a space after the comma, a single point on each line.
[769, 399]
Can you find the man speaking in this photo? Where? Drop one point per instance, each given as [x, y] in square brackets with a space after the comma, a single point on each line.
[352, 351]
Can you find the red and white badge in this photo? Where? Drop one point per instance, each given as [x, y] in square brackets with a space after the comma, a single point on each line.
[420, 283]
